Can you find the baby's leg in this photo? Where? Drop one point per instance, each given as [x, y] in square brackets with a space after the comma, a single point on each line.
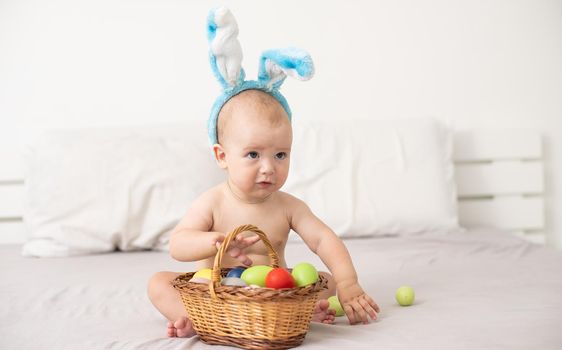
[321, 312]
[168, 301]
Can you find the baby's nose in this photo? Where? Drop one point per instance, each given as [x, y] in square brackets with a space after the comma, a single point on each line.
[266, 167]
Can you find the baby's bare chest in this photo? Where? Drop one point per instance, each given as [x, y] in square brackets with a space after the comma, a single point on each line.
[271, 219]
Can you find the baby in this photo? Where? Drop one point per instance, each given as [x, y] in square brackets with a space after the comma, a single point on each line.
[254, 147]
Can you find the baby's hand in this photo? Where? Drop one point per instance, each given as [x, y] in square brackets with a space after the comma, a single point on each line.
[237, 246]
[356, 304]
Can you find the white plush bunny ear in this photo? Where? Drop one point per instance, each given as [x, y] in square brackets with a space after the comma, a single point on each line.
[225, 50]
[275, 65]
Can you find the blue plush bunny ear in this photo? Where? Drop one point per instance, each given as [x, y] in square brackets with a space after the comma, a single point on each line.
[225, 51]
[275, 65]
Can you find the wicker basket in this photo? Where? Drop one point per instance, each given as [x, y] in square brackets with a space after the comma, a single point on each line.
[249, 318]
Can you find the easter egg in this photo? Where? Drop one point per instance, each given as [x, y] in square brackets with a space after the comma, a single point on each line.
[304, 274]
[233, 281]
[336, 305]
[256, 275]
[200, 280]
[235, 272]
[405, 295]
[203, 273]
[279, 278]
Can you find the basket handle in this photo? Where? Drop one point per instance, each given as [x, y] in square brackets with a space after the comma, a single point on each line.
[216, 275]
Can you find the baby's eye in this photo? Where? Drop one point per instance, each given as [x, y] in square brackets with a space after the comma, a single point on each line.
[281, 155]
[252, 155]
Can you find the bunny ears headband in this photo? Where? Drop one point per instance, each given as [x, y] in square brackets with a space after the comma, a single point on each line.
[226, 61]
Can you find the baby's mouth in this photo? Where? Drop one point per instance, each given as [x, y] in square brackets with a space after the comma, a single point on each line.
[264, 184]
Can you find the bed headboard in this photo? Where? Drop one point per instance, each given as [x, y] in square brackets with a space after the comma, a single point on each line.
[11, 194]
[499, 176]
[500, 181]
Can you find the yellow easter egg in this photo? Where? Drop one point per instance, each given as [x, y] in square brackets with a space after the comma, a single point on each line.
[203, 273]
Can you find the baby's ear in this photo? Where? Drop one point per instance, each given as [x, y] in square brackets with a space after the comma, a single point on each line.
[220, 156]
[276, 64]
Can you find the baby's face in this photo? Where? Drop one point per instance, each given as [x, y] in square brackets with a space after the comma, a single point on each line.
[257, 149]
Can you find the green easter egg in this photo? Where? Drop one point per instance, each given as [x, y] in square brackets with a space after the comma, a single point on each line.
[405, 295]
[256, 275]
[336, 305]
[304, 274]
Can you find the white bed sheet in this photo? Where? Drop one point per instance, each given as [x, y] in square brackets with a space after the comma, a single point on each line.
[475, 290]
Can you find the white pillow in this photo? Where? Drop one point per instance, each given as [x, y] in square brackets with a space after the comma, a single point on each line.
[95, 190]
[369, 177]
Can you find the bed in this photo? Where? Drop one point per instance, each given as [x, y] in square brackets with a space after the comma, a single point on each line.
[478, 289]
[489, 282]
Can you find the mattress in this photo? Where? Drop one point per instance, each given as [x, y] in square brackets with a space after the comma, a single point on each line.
[479, 289]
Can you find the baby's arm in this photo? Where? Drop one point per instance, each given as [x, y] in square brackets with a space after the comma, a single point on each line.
[324, 242]
[192, 238]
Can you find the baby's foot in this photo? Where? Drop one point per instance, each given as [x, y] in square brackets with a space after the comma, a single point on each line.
[322, 313]
[182, 328]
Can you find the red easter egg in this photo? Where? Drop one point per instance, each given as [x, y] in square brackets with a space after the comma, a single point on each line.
[279, 278]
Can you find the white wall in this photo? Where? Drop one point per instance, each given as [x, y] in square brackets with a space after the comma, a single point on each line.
[475, 64]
